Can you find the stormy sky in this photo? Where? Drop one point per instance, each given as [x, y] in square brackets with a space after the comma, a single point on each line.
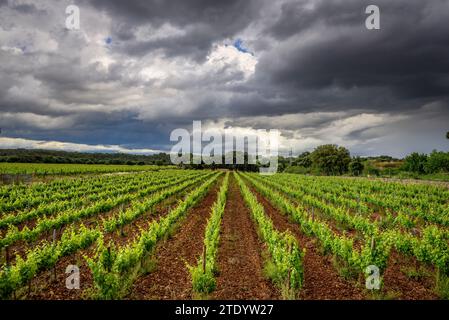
[136, 70]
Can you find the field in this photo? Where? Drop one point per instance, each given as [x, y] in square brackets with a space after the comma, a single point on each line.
[165, 233]
[65, 169]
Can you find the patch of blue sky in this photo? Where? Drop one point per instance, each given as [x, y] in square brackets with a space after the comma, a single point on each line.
[238, 44]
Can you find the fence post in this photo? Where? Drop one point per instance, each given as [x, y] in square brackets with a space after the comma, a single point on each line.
[109, 257]
[290, 247]
[54, 244]
[29, 286]
[7, 255]
[204, 259]
[373, 243]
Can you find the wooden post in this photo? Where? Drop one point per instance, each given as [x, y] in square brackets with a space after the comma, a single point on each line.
[29, 286]
[121, 224]
[358, 204]
[109, 256]
[288, 280]
[372, 243]
[313, 213]
[7, 255]
[54, 243]
[204, 259]
[289, 270]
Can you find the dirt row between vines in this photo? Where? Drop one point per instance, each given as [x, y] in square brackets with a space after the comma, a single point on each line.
[20, 247]
[240, 261]
[171, 279]
[239, 258]
[322, 281]
[46, 287]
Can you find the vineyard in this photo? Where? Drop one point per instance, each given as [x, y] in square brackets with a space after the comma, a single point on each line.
[148, 232]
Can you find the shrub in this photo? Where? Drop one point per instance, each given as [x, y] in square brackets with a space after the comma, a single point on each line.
[437, 161]
[356, 166]
[415, 162]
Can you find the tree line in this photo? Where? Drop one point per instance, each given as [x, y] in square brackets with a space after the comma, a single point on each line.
[335, 160]
[329, 159]
[50, 156]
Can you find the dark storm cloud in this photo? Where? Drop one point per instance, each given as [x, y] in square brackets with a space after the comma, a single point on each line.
[318, 69]
[202, 21]
[27, 8]
[407, 56]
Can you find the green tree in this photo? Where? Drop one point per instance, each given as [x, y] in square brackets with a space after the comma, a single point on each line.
[447, 135]
[437, 161]
[304, 160]
[415, 162]
[331, 159]
[356, 166]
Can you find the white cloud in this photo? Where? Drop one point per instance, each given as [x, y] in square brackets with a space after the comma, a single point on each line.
[12, 50]
[232, 60]
[31, 120]
[11, 143]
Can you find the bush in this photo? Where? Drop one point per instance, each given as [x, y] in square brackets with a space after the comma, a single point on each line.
[371, 170]
[356, 167]
[437, 161]
[415, 162]
[297, 169]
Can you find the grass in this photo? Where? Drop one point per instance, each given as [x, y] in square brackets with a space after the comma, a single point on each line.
[148, 265]
[389, 295]
[431, 176]
[442, 285]
[416, 274]
[271, 272]
[344, 270]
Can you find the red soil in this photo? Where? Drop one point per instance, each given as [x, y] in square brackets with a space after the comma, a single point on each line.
[239, 254]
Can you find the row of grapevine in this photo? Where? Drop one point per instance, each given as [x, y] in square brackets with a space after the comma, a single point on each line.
[47, 224]
[285, 253]
[433, 193]
[43, 257]
[114, 269]
[339, 245]
[404, 216]
[16, 190]
[138, 208]
[431, 248]
[203, 274]
[30, 198]
[434, 208]
[338, 214]
[47, 253]
[117, 189]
